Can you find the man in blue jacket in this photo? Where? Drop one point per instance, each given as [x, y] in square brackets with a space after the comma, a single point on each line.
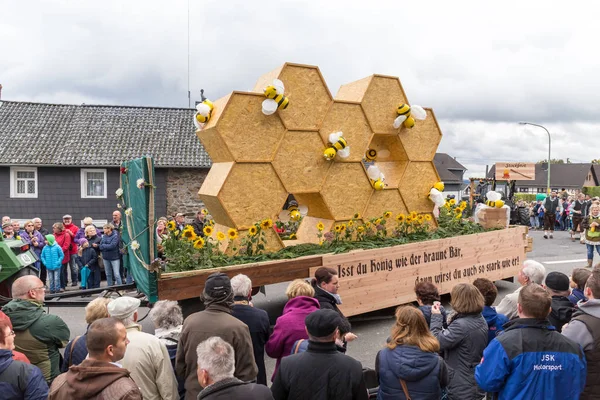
[531, 360]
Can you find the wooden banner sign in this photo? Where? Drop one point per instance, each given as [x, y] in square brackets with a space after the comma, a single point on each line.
[380, 278]
[515, 171]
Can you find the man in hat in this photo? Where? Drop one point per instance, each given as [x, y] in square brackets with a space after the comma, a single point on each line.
[215, 320]
[179, 221]
[71, 229]
[7, 231]
[558, 285]
[146, 358]
[321, 372]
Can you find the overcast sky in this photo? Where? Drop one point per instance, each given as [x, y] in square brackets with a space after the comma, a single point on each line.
[482, 67]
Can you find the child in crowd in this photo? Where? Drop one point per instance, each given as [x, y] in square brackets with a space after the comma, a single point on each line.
[427, 293]
[578, 281]
[494, 320]
[52, 257]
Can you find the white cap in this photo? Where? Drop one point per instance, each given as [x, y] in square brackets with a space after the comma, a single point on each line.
[123, 307]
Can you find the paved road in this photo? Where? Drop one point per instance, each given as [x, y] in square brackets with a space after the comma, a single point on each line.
[558, 254]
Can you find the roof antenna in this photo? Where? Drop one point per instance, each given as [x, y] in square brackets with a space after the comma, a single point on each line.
[202, 95]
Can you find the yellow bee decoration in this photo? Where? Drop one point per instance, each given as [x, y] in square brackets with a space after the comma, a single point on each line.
[275, 98]
[494, 199]
[407, 115]
[337, 146]
[376, 177]
[297, 211]
[439, 186]
[203, 111]
[435, 194]
[496, 204]
[371, 155]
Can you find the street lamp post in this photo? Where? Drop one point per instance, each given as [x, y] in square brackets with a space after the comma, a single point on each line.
[549, 149]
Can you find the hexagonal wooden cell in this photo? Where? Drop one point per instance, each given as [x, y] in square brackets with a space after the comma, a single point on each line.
[388, 147]
[239, 195]
[393, 171]
[274, 242]
[315, 203]
[307, 92]
[385, 200]
[379, 96]
[346, 190]
[423, 139]
[299, 162]
[239, 131]
[307, 231]
[349, 118]
[418, 179]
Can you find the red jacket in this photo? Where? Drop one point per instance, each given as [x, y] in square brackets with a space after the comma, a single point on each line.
[72, 228]
[64, 241]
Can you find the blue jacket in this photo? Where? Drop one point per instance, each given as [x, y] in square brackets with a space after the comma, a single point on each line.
[19, 380]
[530, 360]
[52, 256]
[75, 353]
[426, 310]
[109, 246]
[494, 321]
[576, 295]
[424, 373]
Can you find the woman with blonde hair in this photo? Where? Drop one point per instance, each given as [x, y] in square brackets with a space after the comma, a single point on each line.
[462, 344]
[591, 225]
[409, 364]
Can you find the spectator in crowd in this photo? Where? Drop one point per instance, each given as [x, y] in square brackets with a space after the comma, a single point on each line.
[301, 345]
[410, 360]
[215, 320]
[530, 360]
[109, 248]
[118, 228]
[168, 321]
[8, 233]
[578, 212]
[161, 230]
[427, 293]
[551, 209]
[116, 220]
[591, 224]
[52, 256]
[16, 226]
[146, 358]
[37, 223]
[33, 238]
[99, 376]
[317, 373]
[463, 342]
[216, 364]
[256, 319]
[531, 272]
[39, 335]
[63, 239]
[198, 223]
[5, 218]
[80, 236]
[17, 355]
[494, 320]
[584, 329]
[290, 327]
[180, 221]
[71, 229]
[18, 380]
[76, 350]
[557, 284]
[578, 281]
[90, 256]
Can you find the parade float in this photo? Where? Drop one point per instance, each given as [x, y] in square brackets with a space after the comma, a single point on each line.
[353, 174]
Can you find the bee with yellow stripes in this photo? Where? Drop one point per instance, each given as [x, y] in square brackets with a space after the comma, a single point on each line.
[203, 111]
[407, 115]
[496, 204]
[337, 146]
[371, 155]
[275, 98]
[376, 177]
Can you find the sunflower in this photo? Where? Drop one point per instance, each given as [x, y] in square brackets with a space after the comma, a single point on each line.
[176, 233]
[293, 236]
[350, 223]
[414, 215]
[360, 229]
[208, 230]
[427, 217]
[220, 236]
[189, 234]
[367, 225]
[377, 221]
[320, 226]
[409, 220]
[462, 204]
[199, 243]
[171, 225]
[252, 231]
[356, 216]
[421, 218]
[338, 228]
[452, 202]
[204, 211]
[342, 227]
[458, 210]
[232, 233]
[266, 223]
[400, 218]
[457, 216]
[387, 214]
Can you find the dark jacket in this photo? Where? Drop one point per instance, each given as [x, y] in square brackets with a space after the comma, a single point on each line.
[234, 389]
[326, 300]
[198, 227]
[109, 246]
[260, 329]
[75, 352]
[494, 321]
[530, 360]
[320, 373]
[216, 320]
[562, 310]
[576, 295]
[426, 310]
[462, 345]
[19, 380]
[425, 373]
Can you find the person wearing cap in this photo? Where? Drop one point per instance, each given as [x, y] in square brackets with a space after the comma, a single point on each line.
[7, 231]
[146, 358]
[80, 235]
[558, 285]
[71, 229]
[321, 372]
[52, 256]
[215, 320]
[180, 221]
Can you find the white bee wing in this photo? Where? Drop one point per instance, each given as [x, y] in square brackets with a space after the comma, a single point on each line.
[303, 209]
[398, 121]
[269, 106]
[373, 172]
[203, 109]
[493, 196]
[418, 112]
[345, 152]
[197, 124]
[278, 86]
[333, 137]
[437, 197]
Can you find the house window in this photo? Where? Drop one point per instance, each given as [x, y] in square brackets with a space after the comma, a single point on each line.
[93, 183]
[523, 190]
[23, 182]
[541, 190]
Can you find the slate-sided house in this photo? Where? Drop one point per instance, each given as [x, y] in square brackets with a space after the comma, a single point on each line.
[451, 172]
[57, 159]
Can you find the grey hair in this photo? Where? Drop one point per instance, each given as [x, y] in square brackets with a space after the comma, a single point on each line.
[216, 357]
[37, 219]
[127, 321]
[534, 271]
[241, 285]
[166, 314]
[109, 225]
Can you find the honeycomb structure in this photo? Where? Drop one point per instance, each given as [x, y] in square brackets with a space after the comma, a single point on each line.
[258, 159]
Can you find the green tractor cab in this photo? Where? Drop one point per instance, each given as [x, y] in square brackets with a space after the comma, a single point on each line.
[16, 259]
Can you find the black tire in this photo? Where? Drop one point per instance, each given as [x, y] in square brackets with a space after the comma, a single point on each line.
[523, 216]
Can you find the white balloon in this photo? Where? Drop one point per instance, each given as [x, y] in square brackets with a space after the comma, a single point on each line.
[345, 152]
[373, 172]
[418, 112]
[269, 106]
[203, 109]
[398, 121]
[303, 209]
[333, 137]
[437, 197]
[493, 196]
[278, 86]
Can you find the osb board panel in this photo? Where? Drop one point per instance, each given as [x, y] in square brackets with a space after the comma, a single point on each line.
[415, 185]
[215, 178]
[381, 101]
[347, 190]
[308, 94]
[220, 228]
[388, 147]
[351, 121]
[493, 217]
[250, 135]
[299, 161]
[251, 193]
[385, 200]
[423, 139]
[393, 171]
[216, 209]
[214, 145]
[218, 107]
[179, 286]
[315, 203]
[274, 242]
[267, 79]
[375, 279]
[354, 91]
[307, 231]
